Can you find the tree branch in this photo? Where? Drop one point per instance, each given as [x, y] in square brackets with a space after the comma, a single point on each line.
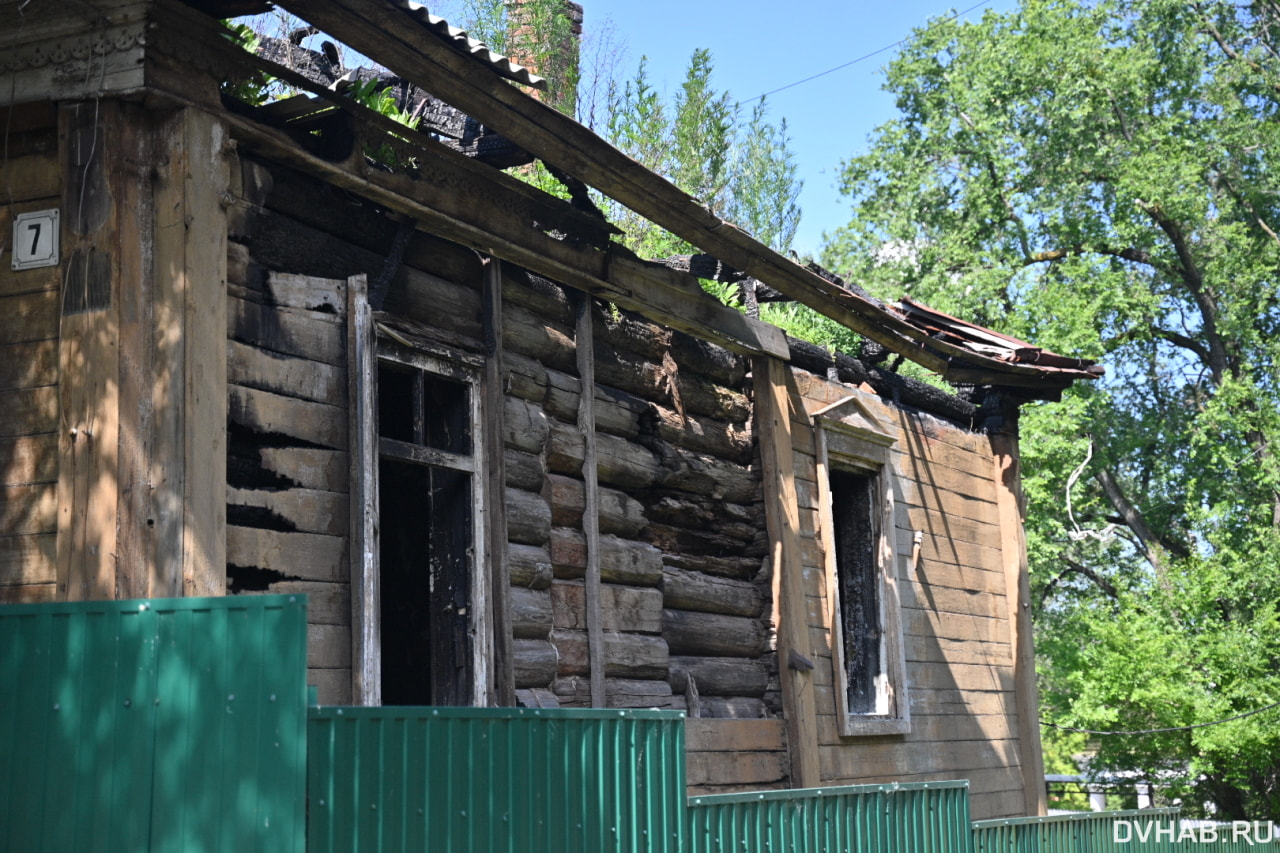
[1155, 548]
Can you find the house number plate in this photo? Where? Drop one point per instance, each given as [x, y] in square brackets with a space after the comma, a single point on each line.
[35, 239]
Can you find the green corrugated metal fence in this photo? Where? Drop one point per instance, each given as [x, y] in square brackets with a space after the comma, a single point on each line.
[929, 817]
[129, 726]
[488, 780]
[1136, 831]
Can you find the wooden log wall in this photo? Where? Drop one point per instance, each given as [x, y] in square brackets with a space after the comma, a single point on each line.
[288, 512]
[682, 541]
[28, 365]
[960, 664]
[685, 592]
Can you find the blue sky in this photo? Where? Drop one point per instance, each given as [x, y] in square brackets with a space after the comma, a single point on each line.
[759, 47]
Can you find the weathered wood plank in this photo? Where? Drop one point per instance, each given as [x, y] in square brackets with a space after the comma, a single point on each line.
[310, 293]
[327, 603]
[289, 331]
[28, 412]
[329, 647]
[28, 365]
[31, 593]
[305, 510]
[529, 566]
[28, 559]
[575, 692]
[621, 608]
[951, 626]
[29, 509]
[713, 634]
[625, 655]
[622, 561]
[30, 281]
[534, 663]
[29, 459]
[493, 412]
[275, 414]
[620, 514]
[252, 367]
[711, 735]
[773, 425]
[308, 468]
[716, 676]
[685, 590]
[531, 613]
[528, 517]
[734, 768]
[31, 176]
[29, 317]
[295, 556]
[333, 685]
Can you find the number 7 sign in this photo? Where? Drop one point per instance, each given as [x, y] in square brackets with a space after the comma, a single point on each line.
[35, 239]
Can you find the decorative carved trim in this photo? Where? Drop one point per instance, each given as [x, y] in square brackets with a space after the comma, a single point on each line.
[73, 49]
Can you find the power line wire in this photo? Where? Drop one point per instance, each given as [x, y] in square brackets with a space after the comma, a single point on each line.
[867, 56]
[1170, 729]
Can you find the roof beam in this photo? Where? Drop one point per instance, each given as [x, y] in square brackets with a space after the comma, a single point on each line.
[384, 30]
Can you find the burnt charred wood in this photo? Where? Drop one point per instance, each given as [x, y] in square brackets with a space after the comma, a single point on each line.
[811, 357]
[579, 193]
[391, 265]
[312, 64]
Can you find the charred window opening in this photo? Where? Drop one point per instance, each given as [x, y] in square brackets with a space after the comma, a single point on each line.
[856, 532]
[426, 498]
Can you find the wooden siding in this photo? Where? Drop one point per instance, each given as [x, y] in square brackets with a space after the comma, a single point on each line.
[954, 614]
[28, 367]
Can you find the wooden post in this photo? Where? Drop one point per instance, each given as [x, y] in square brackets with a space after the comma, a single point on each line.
[1013, 545]
[362, 454]
[142, 353]
[502, 690]
[585, 342]
[782, 517]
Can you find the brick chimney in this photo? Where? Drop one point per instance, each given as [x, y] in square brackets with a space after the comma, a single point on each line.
[544, 37]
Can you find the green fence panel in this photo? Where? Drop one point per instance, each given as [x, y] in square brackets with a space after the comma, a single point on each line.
[1134, 831]
[926, 817]
[156, 725]
[492, 780]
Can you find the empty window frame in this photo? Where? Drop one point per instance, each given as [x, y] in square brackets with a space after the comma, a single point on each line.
[856, 515]
[430, 566]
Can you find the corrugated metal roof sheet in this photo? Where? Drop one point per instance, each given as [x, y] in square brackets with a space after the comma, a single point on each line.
[463, 42]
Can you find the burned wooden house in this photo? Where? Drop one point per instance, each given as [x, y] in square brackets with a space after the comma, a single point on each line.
[299, 348]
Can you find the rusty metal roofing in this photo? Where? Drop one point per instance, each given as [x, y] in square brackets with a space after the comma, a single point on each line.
[990, 344]
[459, 39]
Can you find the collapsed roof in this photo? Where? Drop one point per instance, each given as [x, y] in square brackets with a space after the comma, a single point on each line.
[463, 75]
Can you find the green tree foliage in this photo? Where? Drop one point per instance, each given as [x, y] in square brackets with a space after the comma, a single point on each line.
[743, 171]
[1102, 178]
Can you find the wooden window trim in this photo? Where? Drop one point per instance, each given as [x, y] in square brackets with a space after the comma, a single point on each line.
[380, 344]
[859, 444]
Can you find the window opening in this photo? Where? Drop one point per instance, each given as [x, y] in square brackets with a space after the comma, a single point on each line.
[857, 538]
[427, 535]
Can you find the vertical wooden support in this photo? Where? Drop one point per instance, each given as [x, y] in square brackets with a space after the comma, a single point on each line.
[362, 453]
[1011, 504]
[502, 691]
[191, 265]
[142, 353]
[782, 517]
[90, 135]
[585, 341]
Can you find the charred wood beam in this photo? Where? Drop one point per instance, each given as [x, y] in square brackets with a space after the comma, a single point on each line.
[395, 37]
[901, 389]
